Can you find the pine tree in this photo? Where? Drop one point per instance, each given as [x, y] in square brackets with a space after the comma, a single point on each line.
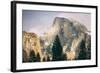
[82, 54]
[57, 49]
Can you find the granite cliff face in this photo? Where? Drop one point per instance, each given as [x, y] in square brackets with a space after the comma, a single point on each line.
[68, 29]
[72, 34]
[31, 46]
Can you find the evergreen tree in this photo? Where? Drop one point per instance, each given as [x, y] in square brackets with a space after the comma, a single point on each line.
[57, 49]
[82, 54]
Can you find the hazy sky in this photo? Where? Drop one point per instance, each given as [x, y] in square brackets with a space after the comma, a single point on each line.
[40, 21]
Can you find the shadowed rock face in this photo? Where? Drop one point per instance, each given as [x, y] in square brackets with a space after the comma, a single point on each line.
[65, 30]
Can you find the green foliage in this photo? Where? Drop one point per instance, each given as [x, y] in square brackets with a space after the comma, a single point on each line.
[57, 49]
[82, 54]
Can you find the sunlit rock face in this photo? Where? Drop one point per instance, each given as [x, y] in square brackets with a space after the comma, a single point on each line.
[31, 43]
[33, 49]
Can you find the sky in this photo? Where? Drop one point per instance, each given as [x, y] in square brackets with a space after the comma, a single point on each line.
[40, 21]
